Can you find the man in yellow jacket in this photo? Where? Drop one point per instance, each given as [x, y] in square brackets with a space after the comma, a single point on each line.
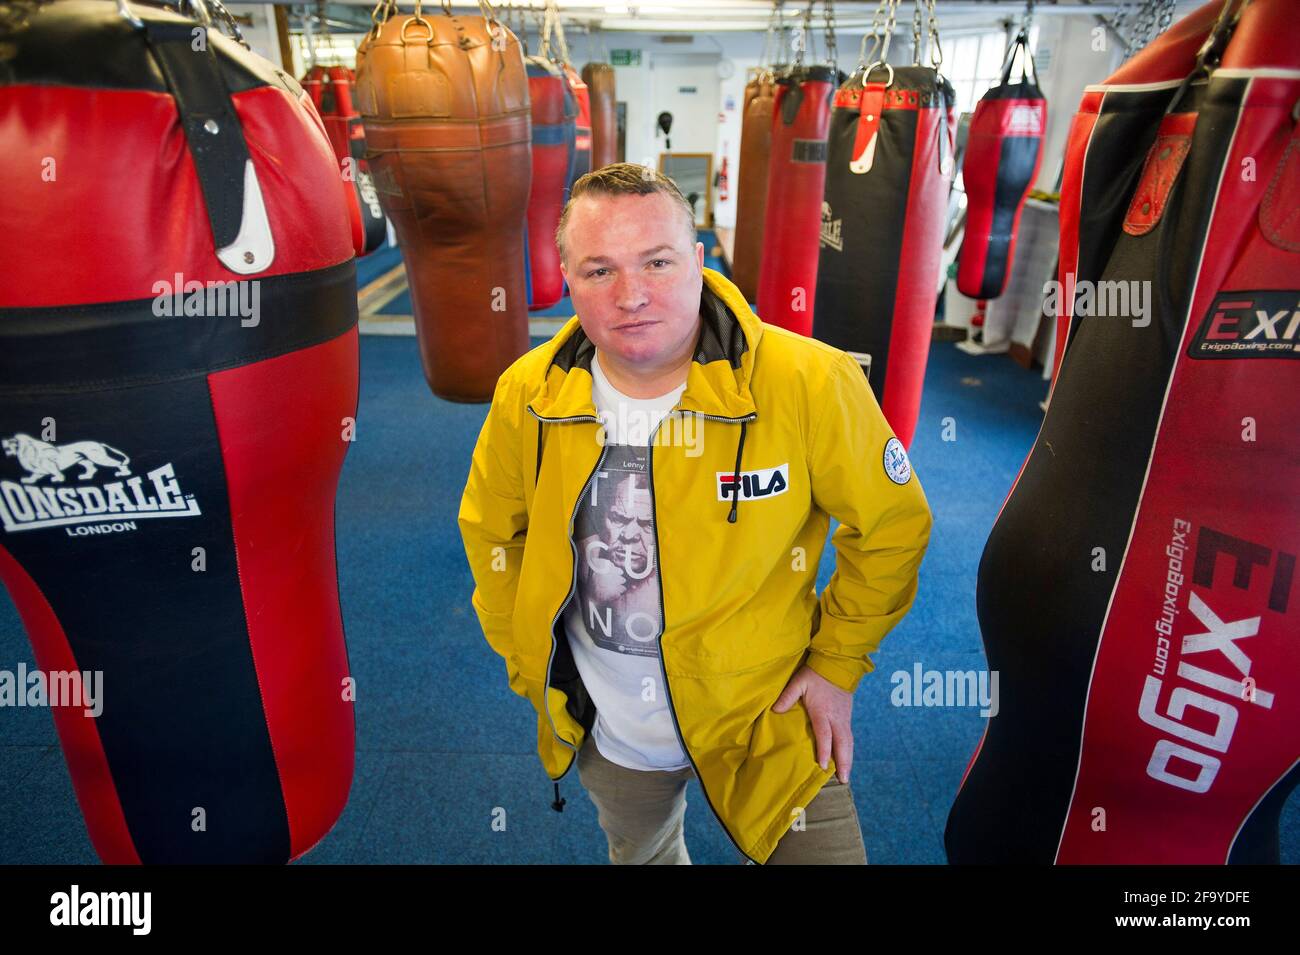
[644, 516]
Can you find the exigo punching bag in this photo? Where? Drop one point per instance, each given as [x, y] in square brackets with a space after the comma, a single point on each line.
[348, 136]
[445, 104]
[1003, 153]
[751, 190]
[891, 161]
[801, 112]
[554, 112]
[1138, 594]
[178, 383]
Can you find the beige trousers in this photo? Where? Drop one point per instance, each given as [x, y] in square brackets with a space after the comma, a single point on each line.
[642, 813]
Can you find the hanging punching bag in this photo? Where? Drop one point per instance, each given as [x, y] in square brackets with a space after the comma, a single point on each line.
[178, 377]
[554, 112]
[796, 176]
[582, 128]
[751, 190]
[599, 78]
[446, 118]
[891, 148]
[348, 137]
[1003, 153]
[314, 84]
[1138, 592]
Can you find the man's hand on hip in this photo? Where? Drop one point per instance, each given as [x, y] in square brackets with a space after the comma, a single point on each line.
[831, 712]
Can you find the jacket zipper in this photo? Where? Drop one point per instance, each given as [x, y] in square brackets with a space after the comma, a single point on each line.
[668, 695]
[573, 584]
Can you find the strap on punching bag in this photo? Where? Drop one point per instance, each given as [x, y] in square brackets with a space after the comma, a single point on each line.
[231, 193]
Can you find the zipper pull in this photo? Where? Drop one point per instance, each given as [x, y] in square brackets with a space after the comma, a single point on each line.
[558, 805]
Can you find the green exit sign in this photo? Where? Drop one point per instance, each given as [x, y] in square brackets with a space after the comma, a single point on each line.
[625, 57]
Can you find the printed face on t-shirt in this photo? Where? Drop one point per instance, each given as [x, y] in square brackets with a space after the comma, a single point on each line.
[629, 527]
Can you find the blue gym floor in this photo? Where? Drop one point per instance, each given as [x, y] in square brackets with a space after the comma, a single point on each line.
[442, 743]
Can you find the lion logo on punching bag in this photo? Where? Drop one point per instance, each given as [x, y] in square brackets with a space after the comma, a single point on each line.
[42, 459]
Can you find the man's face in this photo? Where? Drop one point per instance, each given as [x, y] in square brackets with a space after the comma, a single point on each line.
[635, 277]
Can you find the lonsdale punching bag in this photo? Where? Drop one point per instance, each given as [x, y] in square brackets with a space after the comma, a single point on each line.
[892, 141]
[554, 115]
[1138, 594]
[751, 190]
[599, 79]
[801, 116]
[1003, 153]
[446, 118]
[178, 385]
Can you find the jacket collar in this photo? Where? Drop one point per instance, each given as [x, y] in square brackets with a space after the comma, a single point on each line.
[717, 384]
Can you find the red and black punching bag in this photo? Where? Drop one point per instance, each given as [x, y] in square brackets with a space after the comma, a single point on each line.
[582, 125]
[599, 78]
[801, 113]
[751, 188]
[348, 137]
[178, 380]
[1003, 153]
[554, 114]
[445, 104]
[892, 142]
[1138, 594]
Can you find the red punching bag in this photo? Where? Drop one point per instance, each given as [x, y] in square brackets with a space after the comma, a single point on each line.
[887, 181]
[554, 113]
[787, 282]
[314, 84]
[1003, 153]
[556, 48]
[178, 377]
[348, 136]
[1138, 594]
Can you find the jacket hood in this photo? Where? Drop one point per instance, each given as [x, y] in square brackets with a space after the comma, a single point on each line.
[717, 384]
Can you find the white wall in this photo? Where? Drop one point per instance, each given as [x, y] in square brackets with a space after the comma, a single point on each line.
[261, 36]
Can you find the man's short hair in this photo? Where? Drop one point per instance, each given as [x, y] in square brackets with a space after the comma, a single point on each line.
[623, 179]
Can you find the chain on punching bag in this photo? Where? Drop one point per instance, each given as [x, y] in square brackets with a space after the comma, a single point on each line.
[178, 381]
[1138, 592]
[891, 161]
[445, 105]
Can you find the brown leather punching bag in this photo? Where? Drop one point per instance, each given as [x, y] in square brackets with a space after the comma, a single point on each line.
[751, 195]
[446, 110]
[599, 78]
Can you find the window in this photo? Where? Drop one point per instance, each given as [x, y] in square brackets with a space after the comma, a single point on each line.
[974, 63]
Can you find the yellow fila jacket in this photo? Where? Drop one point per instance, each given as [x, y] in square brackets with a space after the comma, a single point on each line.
[737, 558]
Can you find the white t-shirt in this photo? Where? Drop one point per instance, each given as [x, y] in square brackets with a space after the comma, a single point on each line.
[615, 618]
